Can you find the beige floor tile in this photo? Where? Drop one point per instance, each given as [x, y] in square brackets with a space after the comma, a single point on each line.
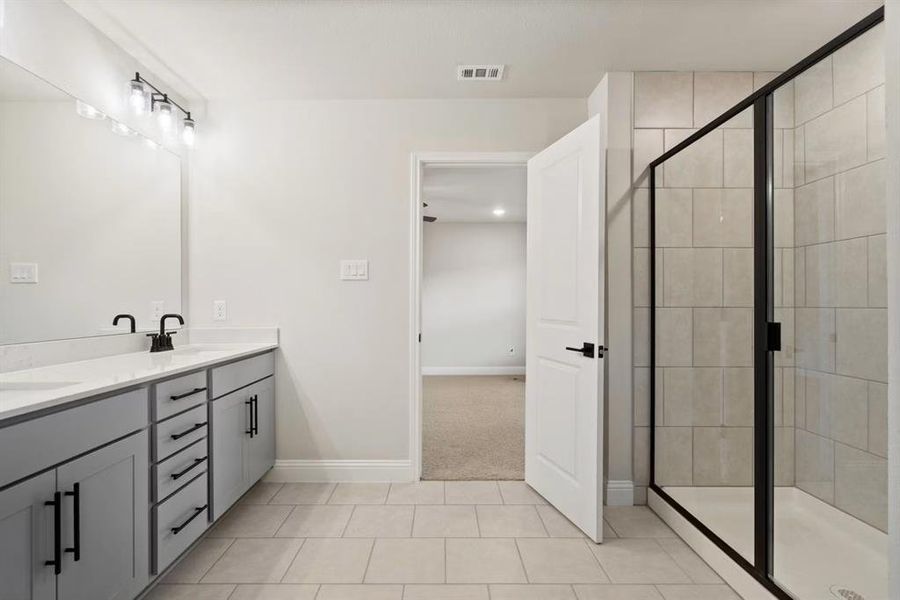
[417, 492]
[638, 561]
[261, 493]
[556, 524]
[510, 522]
[251, 520]
[608, 531]
[483, 561]
[617, 592]
[560, 561]
[472, 492]
[636, 522]
[254, 561]
[381, 521]
[315, 521]
[275, 591]
[445, 592]
[697, 592]
[690, 563]
[519, 492]
[445, 521]
[406, 561]
[327, 560]
[360, 592]
[360, 493]
[532, 592]
[303, 493]
[192, 567]
[190, 592]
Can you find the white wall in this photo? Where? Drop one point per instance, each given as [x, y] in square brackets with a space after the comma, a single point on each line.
[283, 191]
[473, 298]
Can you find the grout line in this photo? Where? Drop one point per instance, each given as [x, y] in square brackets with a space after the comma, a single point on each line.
[521, 562]
[347, 524]
[331, 494]
[369, 560]
[293, 558]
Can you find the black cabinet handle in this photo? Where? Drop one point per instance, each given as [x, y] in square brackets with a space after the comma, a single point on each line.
[178, 436]
[197, 512]
[56, 503]
[194, 464]
[252, 430]
[186, 394]
[76, 516]
[255, 414]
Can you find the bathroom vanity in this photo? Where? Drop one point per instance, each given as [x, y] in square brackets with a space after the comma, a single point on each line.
[111, 468]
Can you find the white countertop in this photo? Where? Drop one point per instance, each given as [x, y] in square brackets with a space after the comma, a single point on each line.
[29, 390]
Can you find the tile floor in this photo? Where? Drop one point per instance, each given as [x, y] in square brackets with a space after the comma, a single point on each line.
[434, 540]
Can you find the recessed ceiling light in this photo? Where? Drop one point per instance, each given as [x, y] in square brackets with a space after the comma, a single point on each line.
[499, 212]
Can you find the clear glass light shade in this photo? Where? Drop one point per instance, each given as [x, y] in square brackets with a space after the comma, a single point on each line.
[138, 98]
[164, 115]
[87, 111]
[188, 132]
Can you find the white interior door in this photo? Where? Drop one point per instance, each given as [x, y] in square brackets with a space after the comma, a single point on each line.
[564, 387]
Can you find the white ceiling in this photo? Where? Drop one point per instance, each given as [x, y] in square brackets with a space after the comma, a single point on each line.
[288, 49]
[469, 194]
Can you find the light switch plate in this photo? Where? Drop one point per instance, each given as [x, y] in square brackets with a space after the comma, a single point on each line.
[355, 269]
[220, 310]
[23, 273]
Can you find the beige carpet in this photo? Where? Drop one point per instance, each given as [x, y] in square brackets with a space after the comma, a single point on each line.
[473, 427]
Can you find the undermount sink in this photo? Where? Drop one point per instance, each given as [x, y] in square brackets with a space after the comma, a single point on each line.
[31, 386]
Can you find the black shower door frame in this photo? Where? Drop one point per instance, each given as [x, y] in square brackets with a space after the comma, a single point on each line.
[766, 332]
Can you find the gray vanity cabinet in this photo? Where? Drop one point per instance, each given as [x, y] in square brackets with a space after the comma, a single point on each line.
[105, 501]
[261, 447]
[26, 539]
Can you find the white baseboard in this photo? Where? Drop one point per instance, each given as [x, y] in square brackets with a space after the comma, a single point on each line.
[619, 493]
[294, 471]
[473, 370]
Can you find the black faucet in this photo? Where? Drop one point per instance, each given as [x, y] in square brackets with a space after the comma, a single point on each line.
[125, 316]
[162, 341]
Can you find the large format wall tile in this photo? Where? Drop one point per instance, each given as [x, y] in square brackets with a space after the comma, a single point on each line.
[784, 218]
[877, 271]
[738, 158]
[723, 337]
[860, 201]
[673, 455]
[860, 485]
[878, 419]
[640, 346]
[673, 218]
[812, 92]
[663, 99]
[814, 336]
[648, 146]
[640, 265]
[836, 141]
[859, 66]
[692, 277]
[700, 165]
[738, 276]
[716, 92]
[837, 408]
[641, 449]
[693, 396]
[673, 337]
[739, 397]
[814, 470]
[784, 456]
[814, 212]
[837, 273]
[723, 218]
[723, 456]
[875, 124]
[862, 343]
[784, 98]
[640, 218]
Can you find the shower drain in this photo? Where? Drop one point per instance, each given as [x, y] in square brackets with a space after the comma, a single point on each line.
[845, 594]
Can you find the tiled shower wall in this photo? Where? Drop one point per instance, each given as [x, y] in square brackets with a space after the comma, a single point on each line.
[840, 281]
[828, 146]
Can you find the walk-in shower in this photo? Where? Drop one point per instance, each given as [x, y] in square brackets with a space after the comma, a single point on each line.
[769, 326]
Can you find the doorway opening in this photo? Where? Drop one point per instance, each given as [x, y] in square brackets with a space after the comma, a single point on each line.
[472, 318]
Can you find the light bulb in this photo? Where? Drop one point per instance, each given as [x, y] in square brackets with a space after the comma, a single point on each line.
[164, 114]
[121, 129]
[188, 132]
[137, 97]
[499, 212]
[87, 111]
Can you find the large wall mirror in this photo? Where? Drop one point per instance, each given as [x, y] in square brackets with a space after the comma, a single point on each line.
[90, 217]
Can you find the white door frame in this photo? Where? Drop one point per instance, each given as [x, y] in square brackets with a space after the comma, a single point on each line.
[418, 161]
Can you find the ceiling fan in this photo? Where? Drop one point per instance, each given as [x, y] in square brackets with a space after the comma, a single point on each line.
[426, 218]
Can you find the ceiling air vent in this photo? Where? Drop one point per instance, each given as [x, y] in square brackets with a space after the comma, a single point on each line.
[479, 72]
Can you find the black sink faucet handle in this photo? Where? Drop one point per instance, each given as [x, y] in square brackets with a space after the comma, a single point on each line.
[126, 316]
[162, 322]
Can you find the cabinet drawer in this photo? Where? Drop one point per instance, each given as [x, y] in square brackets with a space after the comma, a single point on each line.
[31, 446]
[177, 470]
[182, 393]
[238, 374]
[180, 520]
[180, 432]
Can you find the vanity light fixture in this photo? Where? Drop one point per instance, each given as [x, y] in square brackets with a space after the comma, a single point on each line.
[122, 129]
[163, 107]
[499, 212]
[87, 111]
[137, 96]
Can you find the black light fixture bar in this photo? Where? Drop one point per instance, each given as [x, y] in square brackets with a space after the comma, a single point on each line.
[159, 95]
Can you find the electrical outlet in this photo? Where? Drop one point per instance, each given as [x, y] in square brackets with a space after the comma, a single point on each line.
[219, 310]
[355, 270]
[157, 310]
[23, 273]
[511, 350]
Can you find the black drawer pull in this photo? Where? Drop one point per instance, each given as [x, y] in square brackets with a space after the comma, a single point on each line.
[186, 394]
[178, 436]
[252, 429]
[196, 462]
[197, 511]
[76, 526]
[56, 503]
